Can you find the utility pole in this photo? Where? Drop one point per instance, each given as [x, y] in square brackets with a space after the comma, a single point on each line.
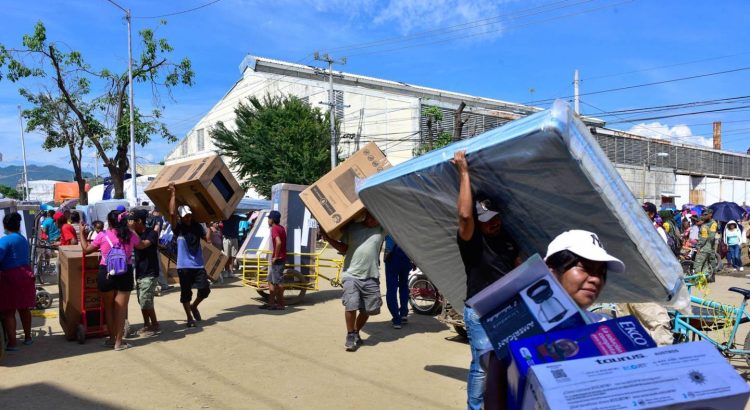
[23, 150]
[331, 101]
[128, 18]
[576, 94]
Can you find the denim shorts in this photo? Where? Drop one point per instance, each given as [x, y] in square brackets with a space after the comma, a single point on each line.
[276, 273]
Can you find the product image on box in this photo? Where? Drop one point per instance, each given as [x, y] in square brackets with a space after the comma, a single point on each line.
[680, 377]
[616, 336]
[525, 302]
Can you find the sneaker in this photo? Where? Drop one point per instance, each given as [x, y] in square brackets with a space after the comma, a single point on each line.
[742, 268]
[404, 319]
[396, 326]
[351, 342]
[359, 339]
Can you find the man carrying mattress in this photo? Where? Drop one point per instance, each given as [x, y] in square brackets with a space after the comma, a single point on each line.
[488, 253]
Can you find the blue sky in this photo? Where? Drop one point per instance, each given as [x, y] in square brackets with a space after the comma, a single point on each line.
[516, 51]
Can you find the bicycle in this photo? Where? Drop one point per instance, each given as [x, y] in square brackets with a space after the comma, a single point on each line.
[426, 299]
[708, 315]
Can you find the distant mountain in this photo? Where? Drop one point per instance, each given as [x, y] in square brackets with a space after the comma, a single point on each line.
[13, 174]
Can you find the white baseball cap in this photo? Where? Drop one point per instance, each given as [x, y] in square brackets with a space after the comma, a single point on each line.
[184, 210]
[586, 245]
[484, 213]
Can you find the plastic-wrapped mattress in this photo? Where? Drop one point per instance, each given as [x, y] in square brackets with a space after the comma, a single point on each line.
[549, 175]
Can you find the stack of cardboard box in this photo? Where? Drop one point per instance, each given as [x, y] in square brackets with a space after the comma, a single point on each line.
[213, 260]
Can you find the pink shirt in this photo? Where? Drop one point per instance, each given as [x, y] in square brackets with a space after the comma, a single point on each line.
[101, 243]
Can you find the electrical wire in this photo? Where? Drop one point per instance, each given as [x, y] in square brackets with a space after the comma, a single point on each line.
[177, 12]
[630, 87]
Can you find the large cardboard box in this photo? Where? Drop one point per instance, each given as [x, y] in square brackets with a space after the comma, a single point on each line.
[333, 199]
[683, 376]
[205, 184]
[610, 337]
[71, 274]
[527, 301]
[214, 262]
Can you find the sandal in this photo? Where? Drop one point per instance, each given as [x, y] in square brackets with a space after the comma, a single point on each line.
[264, 307]
[28, 342]
[277, 308]
[123, 347]
[108, 342]
[190, 323]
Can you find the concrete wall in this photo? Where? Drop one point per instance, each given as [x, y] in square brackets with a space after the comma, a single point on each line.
[658, 181]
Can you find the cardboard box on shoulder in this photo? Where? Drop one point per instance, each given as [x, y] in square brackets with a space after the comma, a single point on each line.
[621, 335]
[205, 184]
[679, 377]
[333, 199]
[525, 302]
[71, 301]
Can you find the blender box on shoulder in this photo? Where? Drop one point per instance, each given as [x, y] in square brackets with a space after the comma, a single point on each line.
[610, 337]
[679, 377]
[527, 301]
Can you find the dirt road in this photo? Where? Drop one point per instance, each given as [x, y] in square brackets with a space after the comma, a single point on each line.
[244, 357]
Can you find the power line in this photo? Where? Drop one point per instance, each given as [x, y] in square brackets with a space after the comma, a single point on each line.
[681, 115]
[670, 107]
[664, 66]
[177, 12]
[644, 85]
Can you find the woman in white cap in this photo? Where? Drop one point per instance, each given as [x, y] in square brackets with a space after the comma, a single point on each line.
[581, 264]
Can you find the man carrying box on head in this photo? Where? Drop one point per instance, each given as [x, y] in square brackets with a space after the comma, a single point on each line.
[278, 260]
[190, 264]
[488, 253]
[361, 243]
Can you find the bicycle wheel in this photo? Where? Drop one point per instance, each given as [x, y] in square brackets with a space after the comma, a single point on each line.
[746, 346]
[423, 296]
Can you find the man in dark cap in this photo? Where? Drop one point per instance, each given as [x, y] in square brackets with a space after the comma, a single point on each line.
[146, 269]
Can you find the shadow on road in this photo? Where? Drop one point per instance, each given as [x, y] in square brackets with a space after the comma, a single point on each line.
[458, 373]
[43, 395]
[383, 331]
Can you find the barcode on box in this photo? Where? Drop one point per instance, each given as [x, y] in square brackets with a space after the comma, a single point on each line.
[559, 374]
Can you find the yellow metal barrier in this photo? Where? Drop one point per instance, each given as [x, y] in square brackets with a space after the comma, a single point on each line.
[255, 264]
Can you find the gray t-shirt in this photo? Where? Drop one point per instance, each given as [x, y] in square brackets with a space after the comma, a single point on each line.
[361, 260]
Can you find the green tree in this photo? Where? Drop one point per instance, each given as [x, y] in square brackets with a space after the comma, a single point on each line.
[103, 116]
[8, 192]
[277, 139]
[52, 117]
[436, 137]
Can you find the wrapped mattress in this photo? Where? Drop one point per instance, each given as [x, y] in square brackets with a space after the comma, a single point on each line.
[549, 175]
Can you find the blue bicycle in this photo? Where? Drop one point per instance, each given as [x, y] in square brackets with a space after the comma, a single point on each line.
[708, 316]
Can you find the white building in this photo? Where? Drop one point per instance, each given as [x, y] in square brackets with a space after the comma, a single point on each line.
[392, 114]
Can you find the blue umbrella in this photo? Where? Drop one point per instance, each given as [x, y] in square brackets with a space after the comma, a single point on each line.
[727, 211]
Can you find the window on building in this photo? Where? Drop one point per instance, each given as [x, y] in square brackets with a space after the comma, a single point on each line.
[183, 148]
[199, 139]
[338, 98]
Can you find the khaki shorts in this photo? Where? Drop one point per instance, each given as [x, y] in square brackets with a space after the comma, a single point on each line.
[363, 295]
[146, 290]
[230, 247]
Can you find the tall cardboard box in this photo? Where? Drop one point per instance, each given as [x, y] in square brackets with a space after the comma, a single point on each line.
[169, 267]
[205, 184]
[71, 303]
[301, 228]
[333, 199]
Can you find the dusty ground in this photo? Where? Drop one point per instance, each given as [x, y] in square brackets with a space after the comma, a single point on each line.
[244, 357]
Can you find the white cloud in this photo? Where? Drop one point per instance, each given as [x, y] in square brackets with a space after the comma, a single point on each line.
[413, 15]
[679, 133]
